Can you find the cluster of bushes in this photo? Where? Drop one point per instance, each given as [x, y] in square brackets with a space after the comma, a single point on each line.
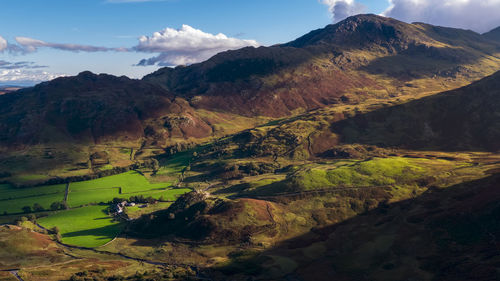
[39, 208]
[136, 199]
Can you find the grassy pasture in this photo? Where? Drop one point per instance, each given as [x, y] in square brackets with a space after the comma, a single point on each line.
[87, 226]
[131, 183]
[393, 171]
[12, 199]
[8, 192]
[105, 189]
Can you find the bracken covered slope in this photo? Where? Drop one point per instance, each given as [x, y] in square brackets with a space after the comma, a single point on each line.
[360, 57]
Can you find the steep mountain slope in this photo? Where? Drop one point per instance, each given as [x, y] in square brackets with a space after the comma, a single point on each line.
[464, 119]
[360, 57]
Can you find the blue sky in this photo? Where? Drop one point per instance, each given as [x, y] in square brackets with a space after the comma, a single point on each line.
[48, 26]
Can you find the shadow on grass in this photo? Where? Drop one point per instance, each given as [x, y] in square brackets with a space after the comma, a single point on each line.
[100, 233]
[444, 234]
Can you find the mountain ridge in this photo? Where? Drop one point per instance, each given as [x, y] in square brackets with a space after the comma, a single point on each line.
[360, 59]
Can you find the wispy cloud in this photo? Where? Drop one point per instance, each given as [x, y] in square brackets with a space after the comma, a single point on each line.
[186, 45]
[172, 47]
[32, 45]
[19, 65]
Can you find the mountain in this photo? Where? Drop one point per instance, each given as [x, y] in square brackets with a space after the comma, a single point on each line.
[493, 34]
[363, 59]
[87, 108]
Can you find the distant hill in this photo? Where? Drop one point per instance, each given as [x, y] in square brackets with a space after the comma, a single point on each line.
[493, 34]
[87, 108]
[8, 89]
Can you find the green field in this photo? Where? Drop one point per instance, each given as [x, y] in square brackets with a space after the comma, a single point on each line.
[13, 199]
[87, 226]
[9, 192]
[131, 183]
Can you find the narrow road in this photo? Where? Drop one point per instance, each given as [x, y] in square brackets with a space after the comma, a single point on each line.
[14, 272]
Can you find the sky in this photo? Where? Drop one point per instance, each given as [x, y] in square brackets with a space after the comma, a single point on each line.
[44, 39]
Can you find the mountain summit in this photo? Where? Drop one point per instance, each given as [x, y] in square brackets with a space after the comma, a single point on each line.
[359, 57]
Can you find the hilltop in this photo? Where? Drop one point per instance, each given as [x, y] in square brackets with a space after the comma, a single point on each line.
[361, 57]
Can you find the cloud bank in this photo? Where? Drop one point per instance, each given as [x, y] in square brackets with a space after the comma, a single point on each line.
[478, 15]
[186, 46]
[341, 9]
[24, 73]
[21, 76]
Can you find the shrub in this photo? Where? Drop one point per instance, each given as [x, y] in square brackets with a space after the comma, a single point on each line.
[38, 208]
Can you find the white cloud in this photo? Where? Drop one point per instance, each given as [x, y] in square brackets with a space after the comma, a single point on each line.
[30, 45]
[478, 15]
[341, 9]
[186, 46]
[3, 44]
[26, 76]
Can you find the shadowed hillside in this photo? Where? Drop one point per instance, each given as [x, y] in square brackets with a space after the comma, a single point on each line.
[464, 119]
[442, 235]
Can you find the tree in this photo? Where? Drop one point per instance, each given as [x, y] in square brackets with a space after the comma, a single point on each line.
[38, 208]
[26, 209]
[59, 206]
[55, 230]
[156, 165]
